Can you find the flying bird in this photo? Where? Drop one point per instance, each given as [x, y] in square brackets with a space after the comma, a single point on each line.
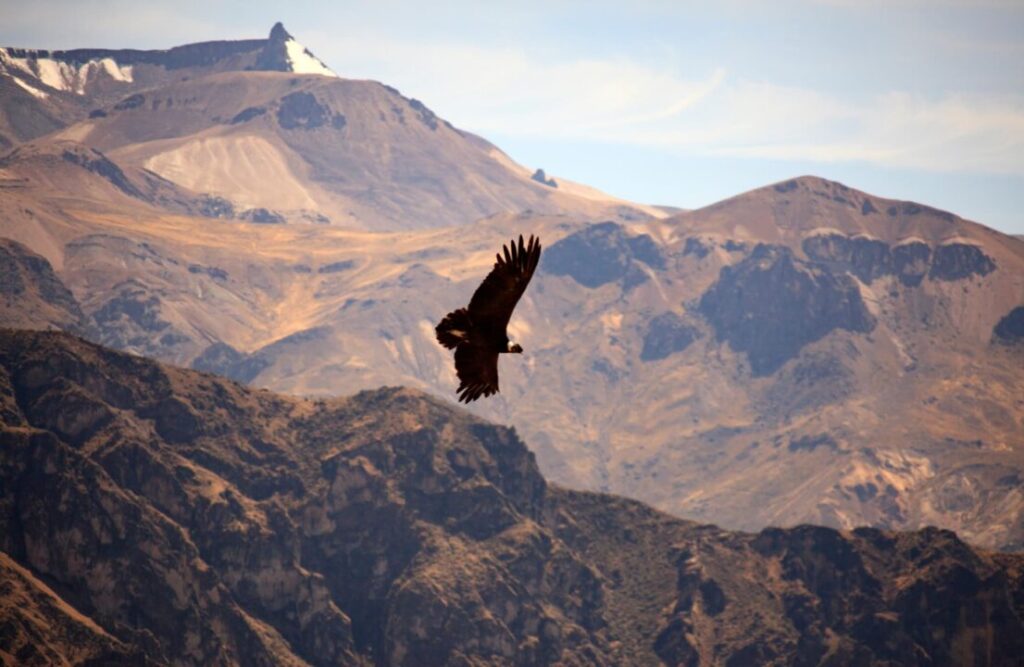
[477, 333]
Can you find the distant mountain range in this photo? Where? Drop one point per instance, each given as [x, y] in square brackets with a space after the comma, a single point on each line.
[801, 353]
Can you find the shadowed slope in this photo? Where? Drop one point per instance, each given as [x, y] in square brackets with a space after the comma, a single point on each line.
[196, 521]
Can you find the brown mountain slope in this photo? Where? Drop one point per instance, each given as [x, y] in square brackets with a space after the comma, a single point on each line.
[268, 133]
[42, 629]
[33, 297]
[320, 149]
[801, 353]
[196, 521]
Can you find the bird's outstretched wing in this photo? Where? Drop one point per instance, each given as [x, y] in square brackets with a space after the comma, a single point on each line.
[493, 302]
[477, 368]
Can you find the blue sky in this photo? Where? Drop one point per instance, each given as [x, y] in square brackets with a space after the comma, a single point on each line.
[664, 102]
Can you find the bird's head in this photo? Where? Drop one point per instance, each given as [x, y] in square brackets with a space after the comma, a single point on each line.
[515, 348]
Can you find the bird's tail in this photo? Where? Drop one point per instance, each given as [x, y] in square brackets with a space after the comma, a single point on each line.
[454, 328]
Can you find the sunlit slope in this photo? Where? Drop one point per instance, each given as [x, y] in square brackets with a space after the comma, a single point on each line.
[803, 352]
[319, 149]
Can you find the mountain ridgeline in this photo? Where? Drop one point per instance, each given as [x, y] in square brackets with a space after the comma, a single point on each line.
[64, 86]
[153, 515]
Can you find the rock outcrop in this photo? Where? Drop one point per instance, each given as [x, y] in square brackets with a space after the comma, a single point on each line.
[770, 306]
[600, 254]
[824, 597]
[870, 259]
[1010, 328]
[666, 334]
[32, 296]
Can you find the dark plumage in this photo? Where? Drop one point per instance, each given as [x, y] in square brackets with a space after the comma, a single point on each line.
[477, 333]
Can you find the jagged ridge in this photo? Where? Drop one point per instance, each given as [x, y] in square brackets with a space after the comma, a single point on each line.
[196, 521]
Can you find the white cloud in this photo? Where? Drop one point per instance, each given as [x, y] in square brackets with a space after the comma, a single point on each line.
[547, 91]
[948, 133]
[516, 93]
[510, 90]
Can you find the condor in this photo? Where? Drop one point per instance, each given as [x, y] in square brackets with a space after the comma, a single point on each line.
[478, 333]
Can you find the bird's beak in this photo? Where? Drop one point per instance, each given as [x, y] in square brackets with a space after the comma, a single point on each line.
[515, 348]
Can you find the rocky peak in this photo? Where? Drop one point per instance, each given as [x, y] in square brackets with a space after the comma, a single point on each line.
[278, 34]
[282, 53]
[85, 72]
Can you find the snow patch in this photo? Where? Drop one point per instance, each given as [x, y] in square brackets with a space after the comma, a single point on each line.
[117, 72]
[34, 91]
[66, 77]
[427, 330]
[519, 330]
[866, 236]
[304, 62]
[960, 240]
[356, 362]
[824, 231]
[16, 63]
[55, 74]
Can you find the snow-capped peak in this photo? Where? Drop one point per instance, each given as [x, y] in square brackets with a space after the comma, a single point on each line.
[304, 62]
[283, 54]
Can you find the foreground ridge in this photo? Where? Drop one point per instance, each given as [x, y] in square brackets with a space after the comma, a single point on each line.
[173, 516]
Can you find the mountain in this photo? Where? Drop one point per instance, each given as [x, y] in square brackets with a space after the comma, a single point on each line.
[156, 515]
[802, 353]
[268, 133]
[45, 90]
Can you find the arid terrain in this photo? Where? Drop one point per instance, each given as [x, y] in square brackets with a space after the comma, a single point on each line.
[153, 515]
[228, 430]
[801, 353]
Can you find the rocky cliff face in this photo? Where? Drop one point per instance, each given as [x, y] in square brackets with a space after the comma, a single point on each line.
[601, 254]
[40, 628]
[770, 307]
[201, 523]
[1010, 328]
[861, 598]
[154, 514]
[33, 297]
[870, 259]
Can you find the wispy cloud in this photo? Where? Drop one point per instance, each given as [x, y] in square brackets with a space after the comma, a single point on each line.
[516, 93]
